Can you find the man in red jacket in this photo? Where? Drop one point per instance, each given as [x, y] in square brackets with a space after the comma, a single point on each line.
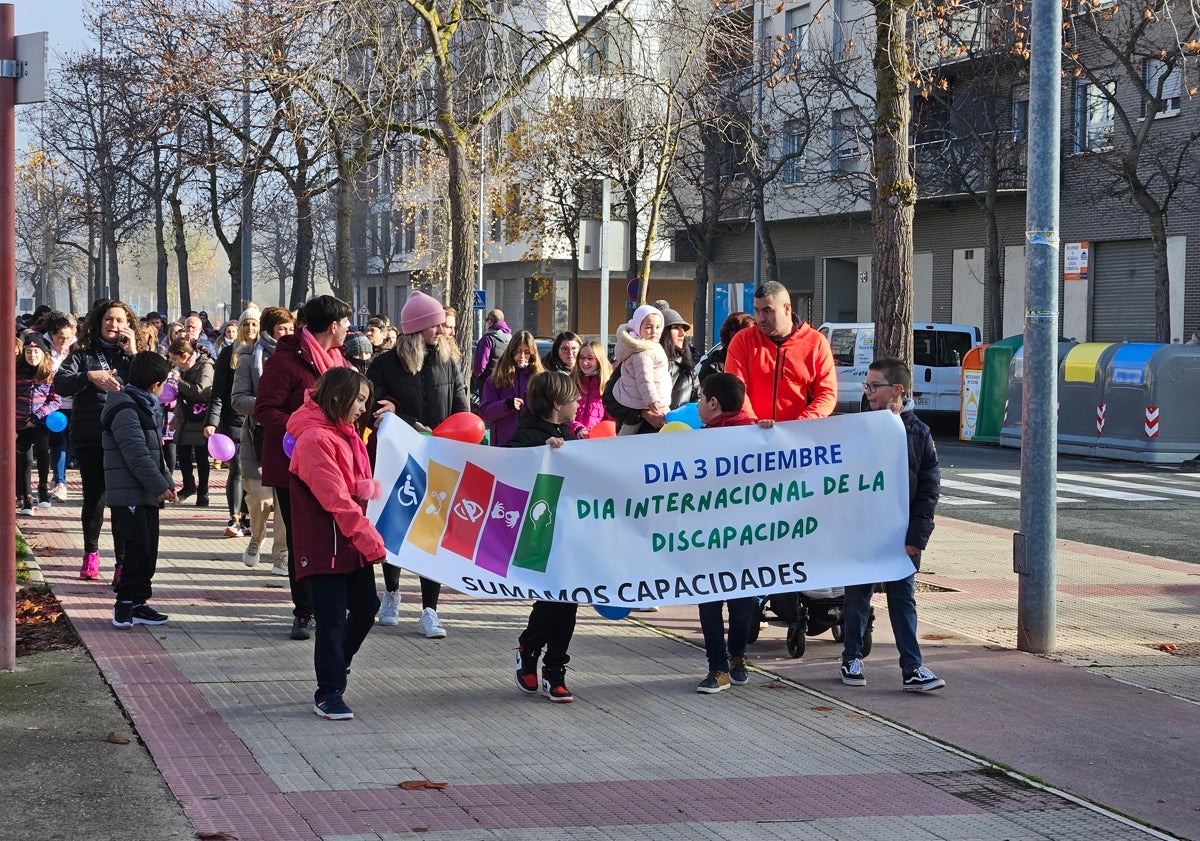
[294, 366]
[787, 366]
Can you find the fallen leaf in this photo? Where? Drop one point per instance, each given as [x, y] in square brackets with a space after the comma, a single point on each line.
[1168, 646]
[217, 836]
[937, 636]
[775, 685]
[821, 709]
[855, 715]
[418, 785]
[114, 739]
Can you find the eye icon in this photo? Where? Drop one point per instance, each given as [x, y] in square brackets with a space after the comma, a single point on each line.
[468, 510]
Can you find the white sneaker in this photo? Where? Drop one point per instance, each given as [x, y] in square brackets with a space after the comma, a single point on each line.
[250, 555]
[389, 614]
[27, 511]
[60, 492]
[45, 503]
[280, 565]
[430, 625]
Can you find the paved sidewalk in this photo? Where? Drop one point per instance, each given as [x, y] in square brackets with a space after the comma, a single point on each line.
[222, 700]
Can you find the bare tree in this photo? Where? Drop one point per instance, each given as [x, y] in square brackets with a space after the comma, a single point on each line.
[1129, 67]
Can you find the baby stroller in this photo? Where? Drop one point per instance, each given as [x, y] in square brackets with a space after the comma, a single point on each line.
[808, 614]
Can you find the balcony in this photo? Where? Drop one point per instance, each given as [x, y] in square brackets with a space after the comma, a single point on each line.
[969, 32]
[959, 165]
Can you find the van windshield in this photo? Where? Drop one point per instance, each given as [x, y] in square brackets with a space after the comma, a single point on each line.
[841, 341]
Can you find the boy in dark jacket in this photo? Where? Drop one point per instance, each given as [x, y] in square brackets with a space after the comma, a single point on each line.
[137, 483]
[888, 381]
[721, 399]
[553, 400]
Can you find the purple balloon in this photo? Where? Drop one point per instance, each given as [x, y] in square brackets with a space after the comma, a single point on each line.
[169, 392]
[289, 443]
[221, 447]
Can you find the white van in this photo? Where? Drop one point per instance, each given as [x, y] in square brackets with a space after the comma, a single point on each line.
[938, 351]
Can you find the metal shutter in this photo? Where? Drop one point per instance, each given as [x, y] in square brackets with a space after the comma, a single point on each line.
[510, 301]
[1123, 291]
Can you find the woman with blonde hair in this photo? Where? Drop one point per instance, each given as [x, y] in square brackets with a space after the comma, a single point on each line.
[225, 420]
[423, 382]
[504, 392]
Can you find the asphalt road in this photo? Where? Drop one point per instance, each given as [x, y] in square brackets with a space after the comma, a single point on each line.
[1128, 505]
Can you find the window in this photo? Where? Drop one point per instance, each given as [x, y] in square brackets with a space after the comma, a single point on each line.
[839, 33]
[1020, 112]
[797, 22]
[1163, 82]
[792, 150]
[846, 142]
[600, 49]
[1094, 116]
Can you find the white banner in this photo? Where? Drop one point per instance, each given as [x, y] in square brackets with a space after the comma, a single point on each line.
[634, 521]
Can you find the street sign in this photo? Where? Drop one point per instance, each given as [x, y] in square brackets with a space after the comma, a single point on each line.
[480, 299]
[633, 288]
[363, 311]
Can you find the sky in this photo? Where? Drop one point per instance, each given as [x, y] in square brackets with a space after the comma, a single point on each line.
[63, 19]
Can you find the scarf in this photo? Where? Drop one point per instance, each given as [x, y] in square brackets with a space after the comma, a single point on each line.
[322, 359]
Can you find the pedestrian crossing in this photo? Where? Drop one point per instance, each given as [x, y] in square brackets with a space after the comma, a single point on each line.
[981, 488]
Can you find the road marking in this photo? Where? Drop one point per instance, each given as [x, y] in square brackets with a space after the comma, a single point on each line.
[1162, 488]
[958, 500]
[984, 489]
[1101, 493]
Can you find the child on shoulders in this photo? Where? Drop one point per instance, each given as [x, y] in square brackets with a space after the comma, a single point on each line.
[645, 381]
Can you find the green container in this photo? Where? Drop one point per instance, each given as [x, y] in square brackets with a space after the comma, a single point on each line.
[993, 388]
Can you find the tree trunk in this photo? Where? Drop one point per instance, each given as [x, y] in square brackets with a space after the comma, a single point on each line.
[343, 284]
[236, 304]
[181, 256]
[160, 236]
[993, 280]
[1162, 278]
[895, 193]
[304, 245]
[462, 229]
[114, 279]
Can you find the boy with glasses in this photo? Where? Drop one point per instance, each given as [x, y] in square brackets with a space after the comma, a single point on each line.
[888, 381]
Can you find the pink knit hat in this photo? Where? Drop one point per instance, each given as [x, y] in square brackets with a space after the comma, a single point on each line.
[421, 311]
[639, 315]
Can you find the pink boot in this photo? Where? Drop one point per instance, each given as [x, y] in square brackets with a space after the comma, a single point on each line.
[90, 570]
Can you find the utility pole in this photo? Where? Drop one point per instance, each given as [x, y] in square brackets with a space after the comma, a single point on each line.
[1034, 557]
[22, 79]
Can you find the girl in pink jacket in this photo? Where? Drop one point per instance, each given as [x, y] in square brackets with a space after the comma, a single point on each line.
[336, 546]
[645, 381]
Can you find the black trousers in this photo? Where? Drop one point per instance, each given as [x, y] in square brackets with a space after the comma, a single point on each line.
[135, 532]
[91, 515]
[551, 624]
[344, 607]
[33, 446]
[430, 589]
[302, 603]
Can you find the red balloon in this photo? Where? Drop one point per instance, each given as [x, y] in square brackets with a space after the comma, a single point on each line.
[461, 426]
[604, 429]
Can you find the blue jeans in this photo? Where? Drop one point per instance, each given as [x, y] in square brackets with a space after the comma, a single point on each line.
[902, 612]
[741, 613]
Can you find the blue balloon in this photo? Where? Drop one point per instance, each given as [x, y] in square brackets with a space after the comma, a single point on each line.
[611, 611]
[56, 421]
[688, 413]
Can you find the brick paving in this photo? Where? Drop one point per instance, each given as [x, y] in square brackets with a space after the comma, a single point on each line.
[222, 699]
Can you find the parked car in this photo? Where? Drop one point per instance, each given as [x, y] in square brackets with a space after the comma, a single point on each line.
[938, 351]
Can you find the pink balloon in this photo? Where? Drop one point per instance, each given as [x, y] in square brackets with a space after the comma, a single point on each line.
[289, 443]
[221, 447]
[461, 426]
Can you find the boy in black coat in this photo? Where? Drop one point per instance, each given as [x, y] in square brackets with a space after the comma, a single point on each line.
[888, 381]
[137, 483]
[552, 401]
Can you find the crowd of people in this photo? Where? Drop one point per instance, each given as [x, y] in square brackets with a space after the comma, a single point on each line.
[295, 394]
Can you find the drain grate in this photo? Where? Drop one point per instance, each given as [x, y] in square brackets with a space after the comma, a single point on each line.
[993, 791]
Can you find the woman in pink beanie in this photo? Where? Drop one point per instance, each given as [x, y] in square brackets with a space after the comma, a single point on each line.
[423, 382]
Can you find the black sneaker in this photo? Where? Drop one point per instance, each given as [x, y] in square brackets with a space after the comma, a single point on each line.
[853, 674]
[527, 676]
[738, 675]
[144, 614]
[554, 686]
[202, 500]
[333, 708]
[921, 679]
[123, 615]
[302, 628]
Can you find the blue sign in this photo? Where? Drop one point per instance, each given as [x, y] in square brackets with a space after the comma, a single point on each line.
[480, 299]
